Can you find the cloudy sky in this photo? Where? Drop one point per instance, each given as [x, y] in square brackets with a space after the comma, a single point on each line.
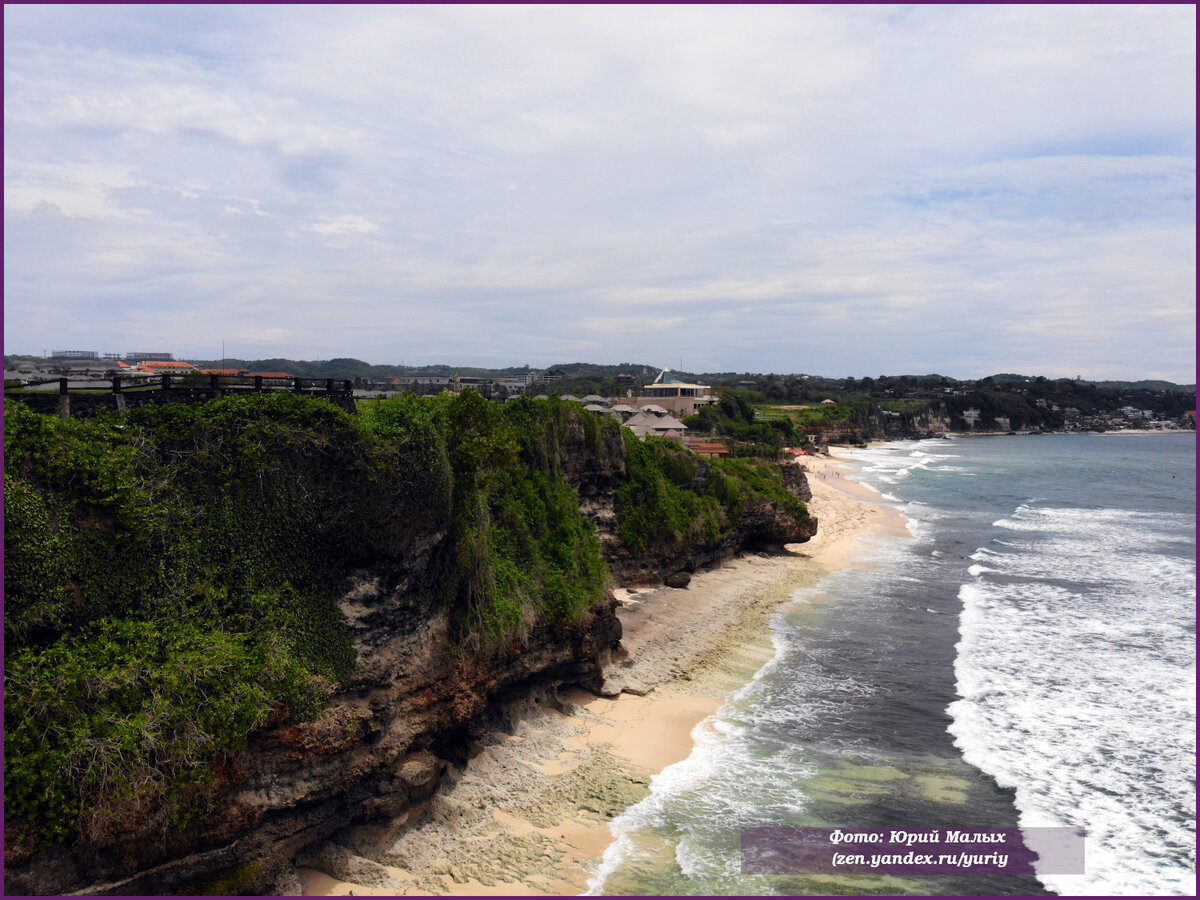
[832, 190]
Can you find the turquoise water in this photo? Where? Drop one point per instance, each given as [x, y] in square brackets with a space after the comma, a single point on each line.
[1026, 657]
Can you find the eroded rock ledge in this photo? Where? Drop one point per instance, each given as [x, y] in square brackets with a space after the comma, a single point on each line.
[381, 747]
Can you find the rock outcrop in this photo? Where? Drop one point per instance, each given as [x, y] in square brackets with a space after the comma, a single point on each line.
[420, 697]
[380, 748]
[762, 525]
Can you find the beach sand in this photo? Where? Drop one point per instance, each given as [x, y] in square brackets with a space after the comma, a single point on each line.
[529, 814]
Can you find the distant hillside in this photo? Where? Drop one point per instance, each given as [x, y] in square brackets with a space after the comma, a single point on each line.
[356, 368]
[348, 367]
[594, 370]
[342, 367]
[1144, 385]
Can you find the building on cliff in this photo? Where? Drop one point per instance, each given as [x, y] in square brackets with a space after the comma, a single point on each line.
[160, 366]
[702, 447]
[658, 424]
[677, 397]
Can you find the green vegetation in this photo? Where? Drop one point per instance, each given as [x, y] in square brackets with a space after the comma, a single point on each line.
[740, 415]
[908, 406]
[170, 584]
[819, 414]
[172, 573]
[756, 477]
[520, 555]
[225, 883]
[673, 497]
[656, 507]
[1028, 402]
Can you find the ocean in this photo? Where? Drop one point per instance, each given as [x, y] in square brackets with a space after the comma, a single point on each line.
[1026, 658]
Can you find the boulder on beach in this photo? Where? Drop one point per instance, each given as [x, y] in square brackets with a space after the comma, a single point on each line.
[678, 580]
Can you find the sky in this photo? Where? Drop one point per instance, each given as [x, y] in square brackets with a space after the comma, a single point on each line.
[838, 191]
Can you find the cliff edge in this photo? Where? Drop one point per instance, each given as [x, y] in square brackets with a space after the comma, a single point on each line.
[237, 628]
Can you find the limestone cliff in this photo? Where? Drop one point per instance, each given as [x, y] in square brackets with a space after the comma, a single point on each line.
[415, 702]
[423, 686]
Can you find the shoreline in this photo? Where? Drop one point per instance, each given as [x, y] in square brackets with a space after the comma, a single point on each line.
[954, 435]
[529, 814]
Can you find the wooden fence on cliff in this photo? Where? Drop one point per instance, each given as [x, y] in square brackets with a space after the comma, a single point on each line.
[124, 392]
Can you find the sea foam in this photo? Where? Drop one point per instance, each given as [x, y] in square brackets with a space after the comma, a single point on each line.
[1076, 671]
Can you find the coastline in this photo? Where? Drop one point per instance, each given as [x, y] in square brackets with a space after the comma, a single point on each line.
[530, 812]
[1113, 432]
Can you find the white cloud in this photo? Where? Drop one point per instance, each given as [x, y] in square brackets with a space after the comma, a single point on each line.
[344, 225]
[158, 94]
[79, 188]
[481, 182]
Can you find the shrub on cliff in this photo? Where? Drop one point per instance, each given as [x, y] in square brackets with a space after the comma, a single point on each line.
[217, 530]
[115, 726]
[735, 417]
[520, 554]
[673, 497]
[656, 506]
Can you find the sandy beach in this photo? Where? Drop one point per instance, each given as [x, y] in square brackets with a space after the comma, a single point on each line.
[530, 812]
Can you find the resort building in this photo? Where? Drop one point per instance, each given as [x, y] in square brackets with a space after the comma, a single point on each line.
[269, 378]
[677, 397]
[657, 424]
[75, 354]
[164, 365]
[705, 447]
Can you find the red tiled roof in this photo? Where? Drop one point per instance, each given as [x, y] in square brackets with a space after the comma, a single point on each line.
[166, 364]
[246, 373]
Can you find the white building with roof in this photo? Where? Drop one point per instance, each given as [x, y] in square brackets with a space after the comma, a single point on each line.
[677, 397]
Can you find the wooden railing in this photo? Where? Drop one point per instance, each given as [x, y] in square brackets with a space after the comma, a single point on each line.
[123, 391]
[220, 383]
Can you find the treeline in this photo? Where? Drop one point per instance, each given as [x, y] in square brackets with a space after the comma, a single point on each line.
[172, 574]
[734, 417]
[1026, 402]
[343, 368]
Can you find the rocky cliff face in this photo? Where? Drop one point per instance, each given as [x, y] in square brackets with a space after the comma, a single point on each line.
[879, 424]
[380, 747]
[762, 525]
[417, 700]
